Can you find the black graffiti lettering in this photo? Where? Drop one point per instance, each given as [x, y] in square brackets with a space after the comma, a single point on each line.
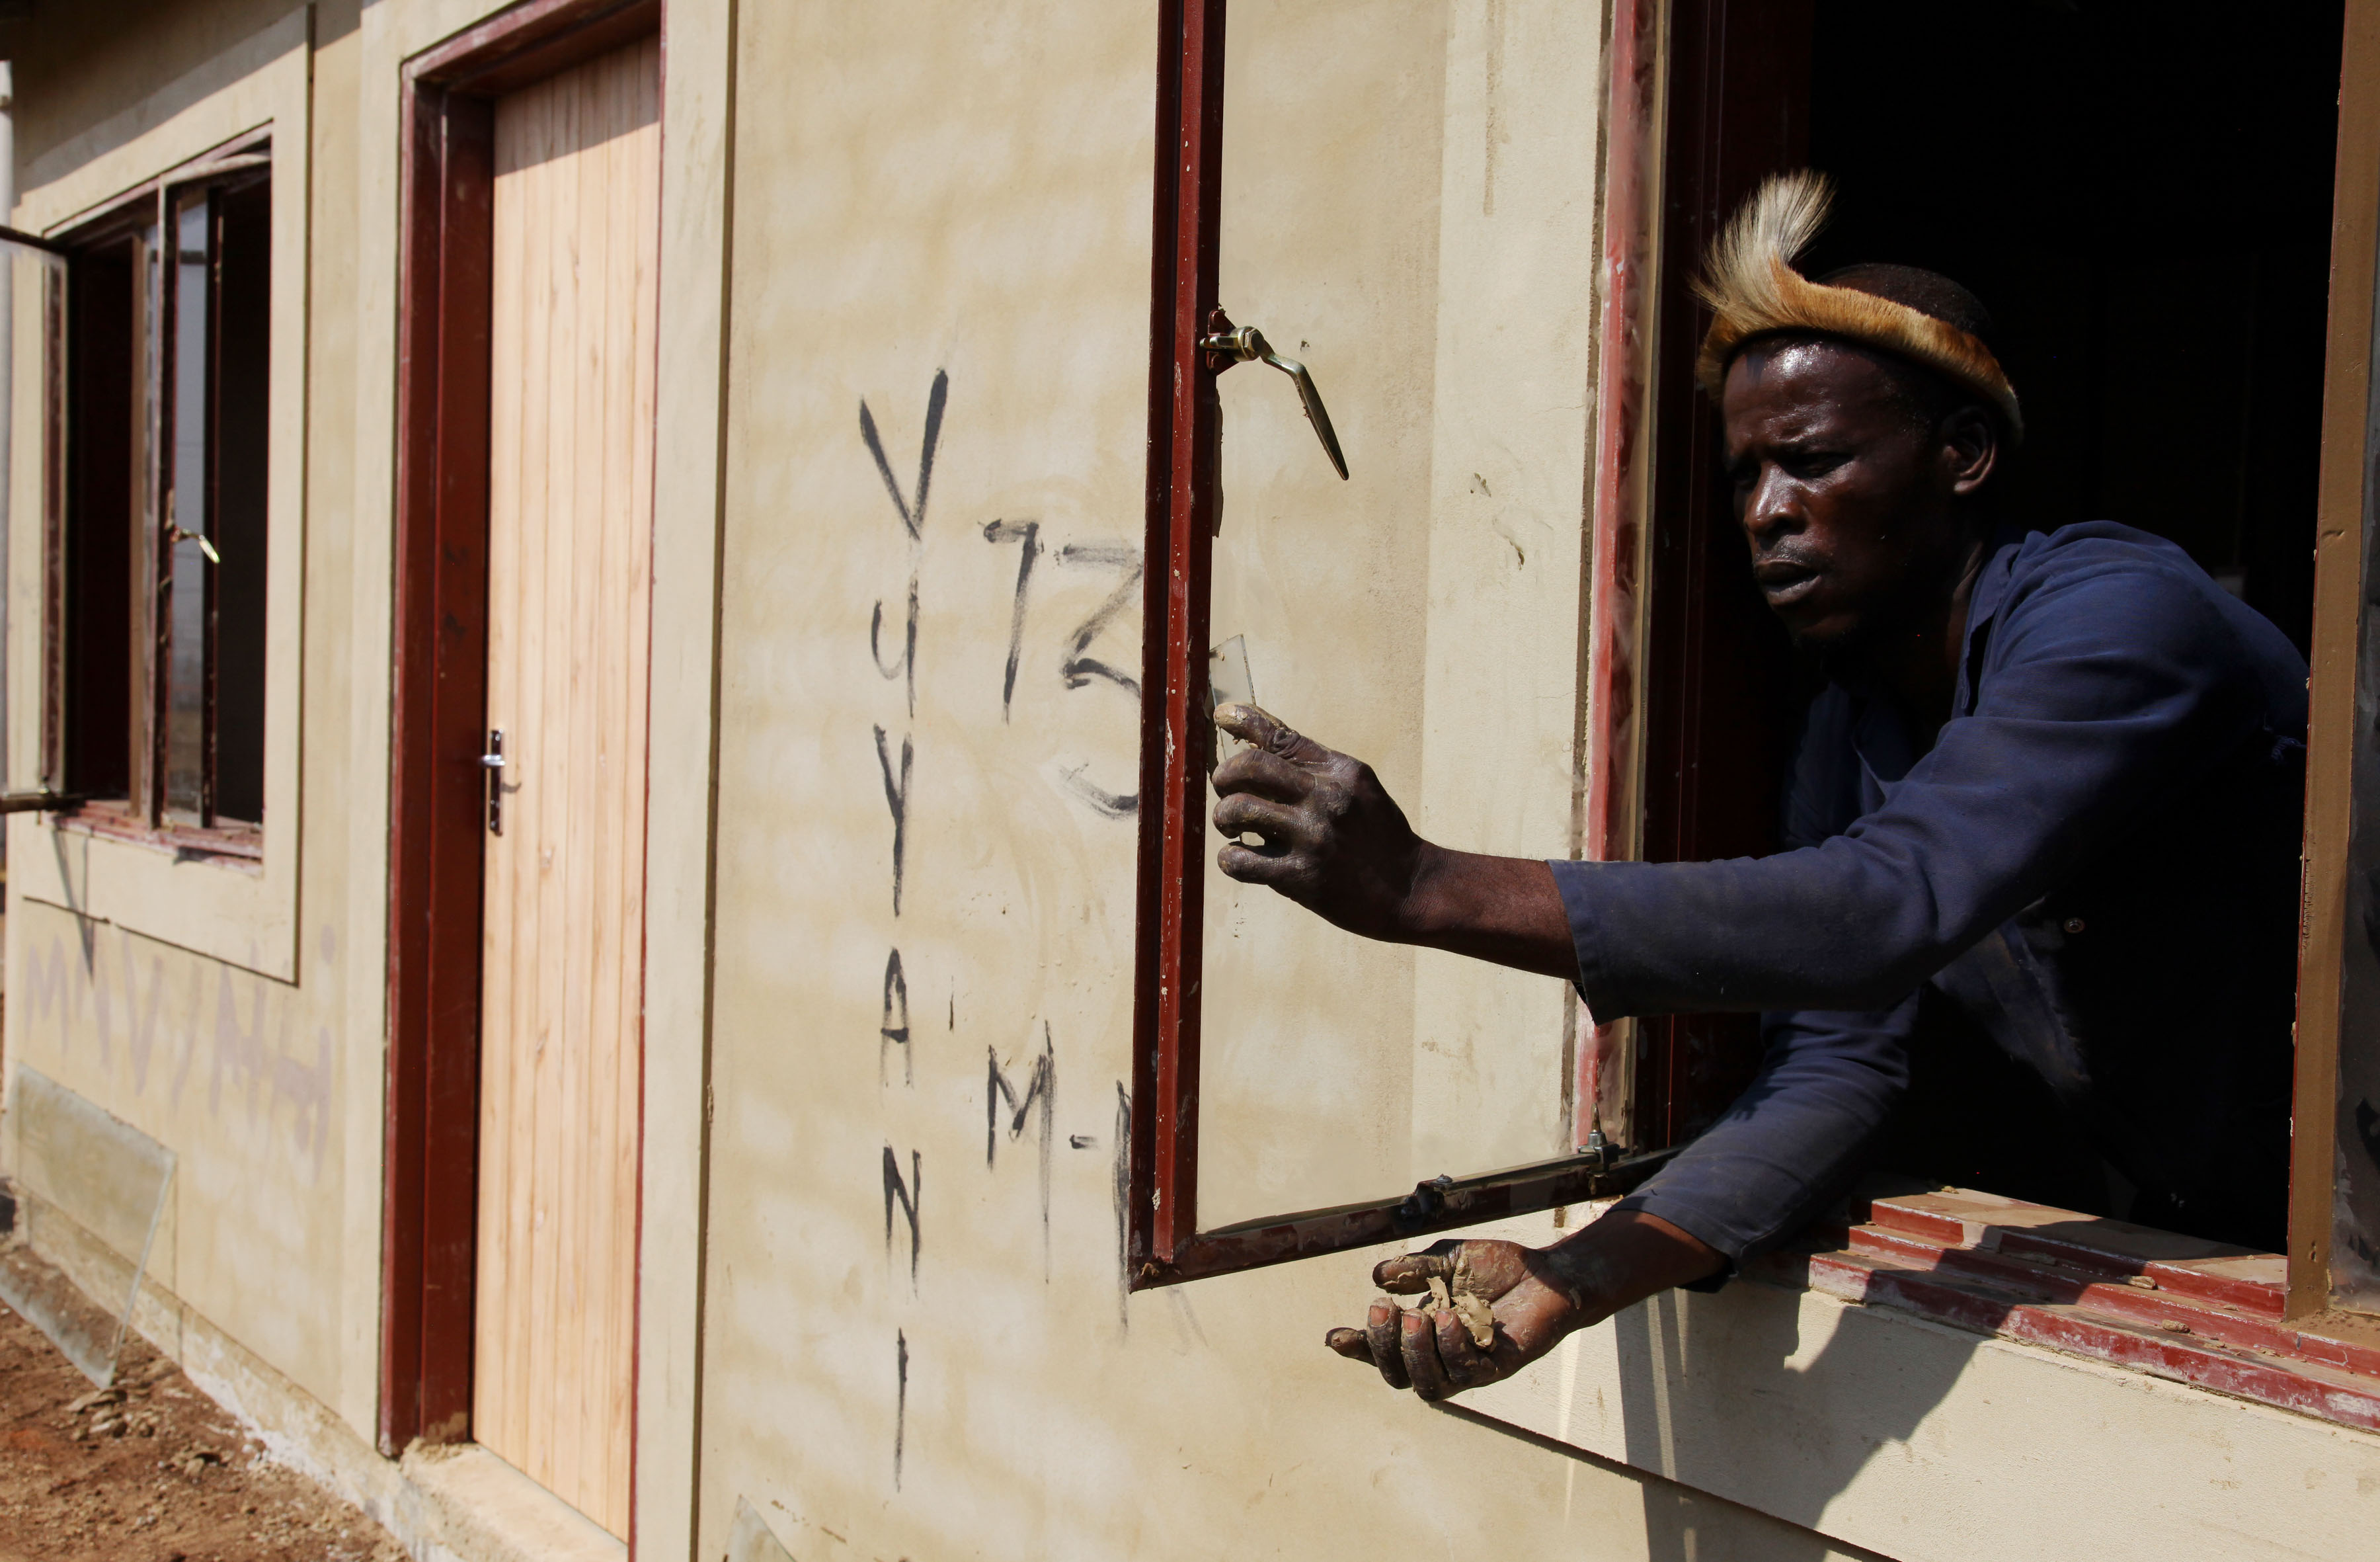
[894, 1030]
[1115, 805]
[1028, 533]
[1078, 667]
[1042, 1091]
[1121, 1181]
[905, 1194]
[908, 645]
[913, 511]
[913, 519]
[896, 798]
[900, 1399]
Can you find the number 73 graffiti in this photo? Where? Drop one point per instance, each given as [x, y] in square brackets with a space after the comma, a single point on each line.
[1077, 668]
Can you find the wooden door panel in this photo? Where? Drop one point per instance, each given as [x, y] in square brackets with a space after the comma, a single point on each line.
[570, 511]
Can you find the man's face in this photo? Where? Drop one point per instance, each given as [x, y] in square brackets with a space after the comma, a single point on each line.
[1844, 500]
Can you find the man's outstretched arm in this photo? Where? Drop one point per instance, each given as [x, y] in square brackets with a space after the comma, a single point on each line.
[1335, 842]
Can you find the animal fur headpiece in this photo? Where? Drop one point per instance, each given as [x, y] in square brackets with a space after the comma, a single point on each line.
[1752, 289]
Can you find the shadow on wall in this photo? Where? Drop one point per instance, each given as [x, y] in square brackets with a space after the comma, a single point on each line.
[1719, 1393]
[1797, 1432]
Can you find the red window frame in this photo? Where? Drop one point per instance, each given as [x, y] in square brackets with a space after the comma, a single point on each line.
[1165, 1243]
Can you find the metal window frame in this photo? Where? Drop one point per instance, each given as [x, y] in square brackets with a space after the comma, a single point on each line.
[1164, 1243]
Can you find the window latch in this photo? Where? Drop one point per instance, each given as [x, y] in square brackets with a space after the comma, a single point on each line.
[492, 762]
[181, 533]
[1228, 345]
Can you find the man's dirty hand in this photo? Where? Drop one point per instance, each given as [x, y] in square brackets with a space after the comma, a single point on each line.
[1329, 835]
[1331, 838]
[1432, 1348]
[1533, 1297]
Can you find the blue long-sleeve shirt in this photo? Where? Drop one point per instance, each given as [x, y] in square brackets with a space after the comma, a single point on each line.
[2098, 860]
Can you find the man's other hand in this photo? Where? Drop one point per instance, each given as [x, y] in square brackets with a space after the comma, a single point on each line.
[1535, 1296]
[1331, 838]
[1429, 1348]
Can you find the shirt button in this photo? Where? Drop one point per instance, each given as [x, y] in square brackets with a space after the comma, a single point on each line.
[2073, 924]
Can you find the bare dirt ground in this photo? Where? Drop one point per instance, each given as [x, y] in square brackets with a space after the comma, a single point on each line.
[149, 1471]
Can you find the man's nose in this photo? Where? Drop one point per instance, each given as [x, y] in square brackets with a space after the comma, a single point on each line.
[1768, 509]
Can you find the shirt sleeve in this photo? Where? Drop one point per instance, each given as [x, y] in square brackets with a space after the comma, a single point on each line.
[2112, 686]
[1796, 1138]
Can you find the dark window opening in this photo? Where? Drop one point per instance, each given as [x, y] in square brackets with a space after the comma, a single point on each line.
[103, 427]
[2142, 196]
[2142, 199]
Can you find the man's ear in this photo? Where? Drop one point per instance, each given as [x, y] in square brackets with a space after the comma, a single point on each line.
[1971, 449]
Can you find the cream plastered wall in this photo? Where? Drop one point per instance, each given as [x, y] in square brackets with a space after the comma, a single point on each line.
[915, 1337]
[241, 1027]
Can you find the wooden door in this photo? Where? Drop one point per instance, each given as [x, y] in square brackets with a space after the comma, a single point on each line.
[576, 228]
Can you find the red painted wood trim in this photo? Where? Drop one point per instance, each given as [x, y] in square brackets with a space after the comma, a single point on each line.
[430, 1206]
[532, 41]
[434, 847]
[1164, 1190]
[405, 1126]
[1623, 371]
[1150, 968]
[2071, 1286]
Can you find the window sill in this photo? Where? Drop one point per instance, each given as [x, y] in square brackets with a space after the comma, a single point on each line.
[2174, 1306]
[232, 845]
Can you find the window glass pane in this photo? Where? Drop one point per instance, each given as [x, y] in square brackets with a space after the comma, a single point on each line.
[185, 589]
[1406, 208]
[243, 234]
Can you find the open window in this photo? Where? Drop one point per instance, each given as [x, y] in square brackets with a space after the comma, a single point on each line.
[1377, 226]
[1400, 206]
[153, 715]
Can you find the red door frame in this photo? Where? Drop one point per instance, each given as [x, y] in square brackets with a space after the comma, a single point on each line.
[430, 1203]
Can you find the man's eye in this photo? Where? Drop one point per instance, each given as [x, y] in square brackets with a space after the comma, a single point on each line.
[1814, 463]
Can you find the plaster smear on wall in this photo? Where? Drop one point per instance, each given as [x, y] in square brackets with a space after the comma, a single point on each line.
[239, 1077]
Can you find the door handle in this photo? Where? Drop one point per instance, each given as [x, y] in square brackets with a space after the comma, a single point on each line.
[1246, 343]
[492, 762]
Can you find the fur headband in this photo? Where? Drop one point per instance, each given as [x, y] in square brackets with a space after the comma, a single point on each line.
[1752, 289]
